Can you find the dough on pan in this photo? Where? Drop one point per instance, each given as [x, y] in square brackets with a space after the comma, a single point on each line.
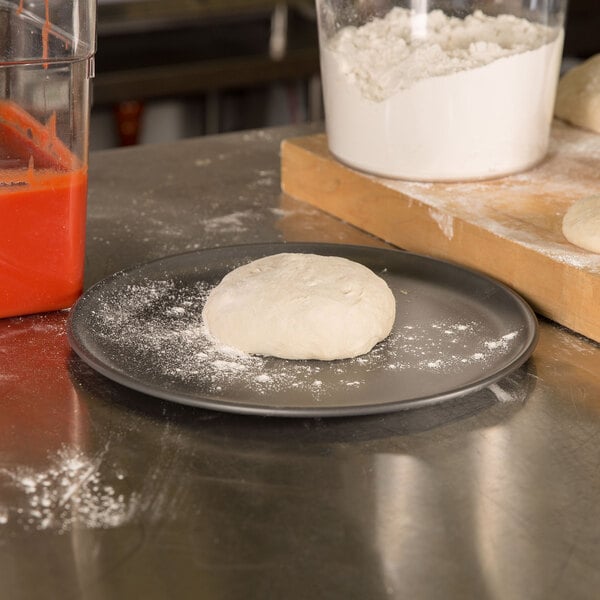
[301, 306]
[581, 223]
[578, 95]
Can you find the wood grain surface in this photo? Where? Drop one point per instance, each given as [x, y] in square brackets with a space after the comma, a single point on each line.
[509, 228]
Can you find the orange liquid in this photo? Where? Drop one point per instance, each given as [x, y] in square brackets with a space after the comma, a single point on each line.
[45, 31]
[42, 240]
[45, 28]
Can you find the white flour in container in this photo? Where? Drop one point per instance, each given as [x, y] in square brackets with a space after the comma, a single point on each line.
[442, 98]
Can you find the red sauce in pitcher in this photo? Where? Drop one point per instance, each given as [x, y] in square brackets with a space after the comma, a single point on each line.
[43, 191]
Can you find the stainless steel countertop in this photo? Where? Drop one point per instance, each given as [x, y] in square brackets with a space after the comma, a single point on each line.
[107, 493]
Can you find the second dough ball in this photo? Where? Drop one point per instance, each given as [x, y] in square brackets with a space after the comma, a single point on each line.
[578, 95]
[581, 223]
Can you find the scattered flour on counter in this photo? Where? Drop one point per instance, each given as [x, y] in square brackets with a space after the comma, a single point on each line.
[231, 223]
[257, 135]
[264, 178]
[71, 493]
[158, 327]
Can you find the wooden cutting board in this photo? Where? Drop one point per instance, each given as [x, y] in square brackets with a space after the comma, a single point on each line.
[509, 228]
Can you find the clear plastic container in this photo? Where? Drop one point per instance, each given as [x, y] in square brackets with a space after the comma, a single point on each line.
[46, 62]
[440, 90]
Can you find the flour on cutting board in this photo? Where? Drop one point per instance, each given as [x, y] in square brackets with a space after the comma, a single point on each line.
[444, 221]
[159, 324]
[233, 222]
[72, 492]
[494, 205]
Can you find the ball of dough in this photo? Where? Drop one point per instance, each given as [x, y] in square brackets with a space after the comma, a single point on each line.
[578, 95]
[301, 306]
[581, 223]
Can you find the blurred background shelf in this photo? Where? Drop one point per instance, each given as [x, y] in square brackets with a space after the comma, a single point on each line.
[169, 69]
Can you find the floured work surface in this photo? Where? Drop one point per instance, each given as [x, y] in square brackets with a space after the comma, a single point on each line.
[509, 228]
